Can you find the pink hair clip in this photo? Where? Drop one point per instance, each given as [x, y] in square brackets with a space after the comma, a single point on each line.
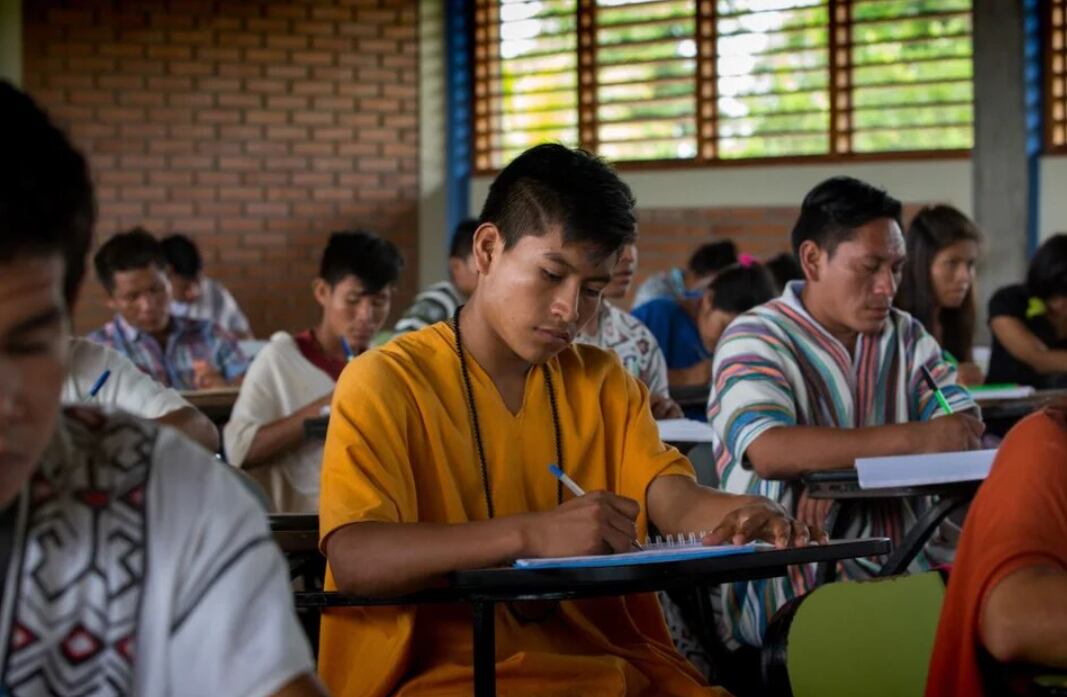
[746, 260]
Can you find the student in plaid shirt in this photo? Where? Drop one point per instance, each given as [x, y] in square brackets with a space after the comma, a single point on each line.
[186, 354]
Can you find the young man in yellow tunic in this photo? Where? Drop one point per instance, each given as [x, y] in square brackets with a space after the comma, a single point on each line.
[437, 459]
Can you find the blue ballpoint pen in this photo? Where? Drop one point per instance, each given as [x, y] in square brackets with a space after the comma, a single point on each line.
[573, 487]
[95, 389]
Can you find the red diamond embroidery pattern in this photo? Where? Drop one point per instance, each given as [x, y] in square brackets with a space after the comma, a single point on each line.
[80, 645]
[125, 648]
[21, 638]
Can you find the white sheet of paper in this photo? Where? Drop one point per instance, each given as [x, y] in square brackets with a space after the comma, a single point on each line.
[684, 431]
[1015, 392]
[919, 470]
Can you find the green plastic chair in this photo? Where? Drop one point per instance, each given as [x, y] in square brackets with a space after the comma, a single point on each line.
[871, 638]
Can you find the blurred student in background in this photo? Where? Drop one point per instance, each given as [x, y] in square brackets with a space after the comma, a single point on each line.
[1029, 322]
[438, 302]
[186, 354]
[196, 296]
[676, 283]
[613, 329]
[292, 379]
[937, 286]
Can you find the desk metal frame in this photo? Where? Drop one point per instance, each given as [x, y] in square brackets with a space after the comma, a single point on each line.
[483, 589]
[846, 491]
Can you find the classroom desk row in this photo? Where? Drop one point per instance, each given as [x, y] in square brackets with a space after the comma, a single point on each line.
[484, 589]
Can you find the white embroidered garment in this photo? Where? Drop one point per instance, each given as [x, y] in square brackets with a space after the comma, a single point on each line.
[142, 566]
[127, 388]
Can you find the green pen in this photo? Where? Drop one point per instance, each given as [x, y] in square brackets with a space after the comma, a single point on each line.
[938, 394]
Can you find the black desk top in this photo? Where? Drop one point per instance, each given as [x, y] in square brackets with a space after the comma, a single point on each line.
[506, 583]
[845, 484]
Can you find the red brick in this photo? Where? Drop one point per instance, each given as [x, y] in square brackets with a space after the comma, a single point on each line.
[119, 178]
[144, 193]
[166, 146]
[143, 130]
[265, 55]
[313, 149]
[191, 68]
[240, 39]
[218, 116]
[260, 178]
[193, 162]
[268, 118]
[240, 133]
[170, 52]
[286, 11]
[359, 149]
[239, 101]
[142, 98]
[314, 28]
[216, 178]
[314, 118]
[287, 133]
[335, 44]
[287, 42]
[213, 53]
[193, 225]
[267, 209]
[238, 163]
[71, 18]
[240, 193]
[246, 70]
[286, 102]
[218, 208]
[170, 209]
[121, 50]
[266, 86]
[312, 58]
[200, 37]
[333, 74]
[218, 84]
[289, 72]
[312, 179]
[171, 115]
[286, 163]
[170, 178]
[196, 100]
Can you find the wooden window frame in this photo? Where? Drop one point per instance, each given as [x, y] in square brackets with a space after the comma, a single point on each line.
[840, 94]
[1054, 48]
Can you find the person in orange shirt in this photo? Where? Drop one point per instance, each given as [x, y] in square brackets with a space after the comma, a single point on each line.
[437, 456]
[1005, 611]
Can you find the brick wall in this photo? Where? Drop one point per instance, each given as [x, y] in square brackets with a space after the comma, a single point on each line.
[255, 127]
[667, 236]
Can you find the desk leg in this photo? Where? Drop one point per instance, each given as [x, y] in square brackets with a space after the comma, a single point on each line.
[836, 525]
[484, 648]
[919, 535]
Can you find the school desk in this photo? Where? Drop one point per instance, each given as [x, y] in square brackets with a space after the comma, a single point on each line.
[843, 486]
[1000, 415]
[216, 403]
[484, 589]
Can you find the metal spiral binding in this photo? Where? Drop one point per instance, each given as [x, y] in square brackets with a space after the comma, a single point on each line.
[682, 540]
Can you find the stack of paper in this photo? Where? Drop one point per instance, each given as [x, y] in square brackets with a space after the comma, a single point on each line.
[983, 393]
[920, 470]
[647, 556]
[684, 431]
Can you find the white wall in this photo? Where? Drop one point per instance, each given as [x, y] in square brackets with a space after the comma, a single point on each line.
[11, 41]
[1053, 207]
[944, 181]
[433, 242]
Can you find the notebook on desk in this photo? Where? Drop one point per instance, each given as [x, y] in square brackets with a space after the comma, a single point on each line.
[652, 554]
[988, 393]
[924, 470]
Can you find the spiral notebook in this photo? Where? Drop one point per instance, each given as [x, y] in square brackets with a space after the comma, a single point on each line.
[659, 551]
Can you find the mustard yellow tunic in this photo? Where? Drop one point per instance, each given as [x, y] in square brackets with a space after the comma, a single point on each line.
[400, 449]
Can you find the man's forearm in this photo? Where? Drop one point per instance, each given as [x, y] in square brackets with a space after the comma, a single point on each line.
[787, 452]
[394, 558]
[195, 425]
[677, 505]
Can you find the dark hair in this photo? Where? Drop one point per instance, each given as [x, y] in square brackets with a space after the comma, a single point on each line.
[463, 239]
[182, 256]
[784, 268]
[741, 287]
[1047, 276]
[550, 184]
[46, 195]
[127, 251]
[712, 257]
[376, 262]
[932, 229]
[833, 210]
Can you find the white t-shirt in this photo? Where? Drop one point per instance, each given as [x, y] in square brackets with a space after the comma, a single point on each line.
[143, 566]
[279, 382]
[126, 389]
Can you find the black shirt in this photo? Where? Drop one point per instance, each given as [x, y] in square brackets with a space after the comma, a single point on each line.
[1013, 301]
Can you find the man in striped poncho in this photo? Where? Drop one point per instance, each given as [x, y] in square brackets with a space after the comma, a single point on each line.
[825, 374]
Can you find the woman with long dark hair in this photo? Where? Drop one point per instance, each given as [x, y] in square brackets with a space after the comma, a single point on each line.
[937, 287]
